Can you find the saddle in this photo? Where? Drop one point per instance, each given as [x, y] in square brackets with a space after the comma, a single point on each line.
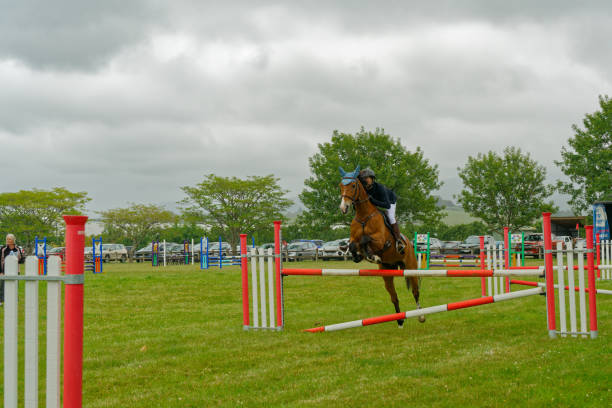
[388, 225]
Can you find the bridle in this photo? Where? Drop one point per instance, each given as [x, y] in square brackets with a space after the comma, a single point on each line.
[356, 192]
[355, 201]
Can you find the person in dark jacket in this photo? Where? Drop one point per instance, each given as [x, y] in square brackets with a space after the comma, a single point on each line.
[384, 198]
[9, 249]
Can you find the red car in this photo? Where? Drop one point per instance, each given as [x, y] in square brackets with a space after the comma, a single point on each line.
[534, 245]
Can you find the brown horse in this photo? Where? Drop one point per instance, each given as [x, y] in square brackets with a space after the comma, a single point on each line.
[370, 238]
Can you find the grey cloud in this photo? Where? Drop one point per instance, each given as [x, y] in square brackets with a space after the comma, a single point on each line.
[70, 34]
[260, 86]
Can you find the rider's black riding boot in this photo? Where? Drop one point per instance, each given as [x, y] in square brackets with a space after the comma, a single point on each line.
[399, 242]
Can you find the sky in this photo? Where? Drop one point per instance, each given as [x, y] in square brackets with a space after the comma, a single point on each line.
[129, 101]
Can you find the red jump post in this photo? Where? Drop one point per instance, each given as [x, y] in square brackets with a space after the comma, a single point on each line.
[73, 304]
[591, 279]
[550, 282]
[245, 281]
[280, 322]
[483, 282]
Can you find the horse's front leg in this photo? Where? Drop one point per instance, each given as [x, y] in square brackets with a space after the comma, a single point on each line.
[355, 251]
[373, 244]
[368, 246]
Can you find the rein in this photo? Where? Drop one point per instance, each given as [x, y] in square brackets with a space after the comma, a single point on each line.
[357, 191]
[355, 202]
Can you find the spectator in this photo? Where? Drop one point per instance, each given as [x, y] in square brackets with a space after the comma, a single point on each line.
[10, 249]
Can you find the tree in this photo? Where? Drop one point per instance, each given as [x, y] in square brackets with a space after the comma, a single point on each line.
[408, 174]
[588, 160]
[31, 213]
[182, 230]
[136, 224]
[506, 191]
[234, 206]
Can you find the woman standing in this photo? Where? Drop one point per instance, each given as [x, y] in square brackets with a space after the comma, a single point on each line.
[10, 249]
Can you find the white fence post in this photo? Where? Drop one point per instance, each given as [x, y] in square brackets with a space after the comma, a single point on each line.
[254, 287]
[11, 350]
[54, 334]
[31, 334]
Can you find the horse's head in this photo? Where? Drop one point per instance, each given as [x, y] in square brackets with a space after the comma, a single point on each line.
[349, 189]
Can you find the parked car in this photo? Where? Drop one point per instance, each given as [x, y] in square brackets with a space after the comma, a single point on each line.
[566, 239]
[213, 248]
[301, 250]
[317, 242]
[435, 245]
[114, 252]
[59, 251]
[472, 244]
[110, 252]
[450, 247]
[534, 245]
[267, 246]
[334, 249]
[88, 252]
[144, 254]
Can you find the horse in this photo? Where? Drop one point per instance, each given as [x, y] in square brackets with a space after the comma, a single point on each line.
[370, 238]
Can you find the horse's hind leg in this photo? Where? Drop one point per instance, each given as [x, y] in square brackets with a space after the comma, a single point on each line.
[414, 282]
[391, 289]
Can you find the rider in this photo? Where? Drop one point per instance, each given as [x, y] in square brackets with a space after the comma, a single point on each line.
[384, 197]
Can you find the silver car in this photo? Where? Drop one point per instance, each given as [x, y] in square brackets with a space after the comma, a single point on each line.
[334, 249]
[301, 250]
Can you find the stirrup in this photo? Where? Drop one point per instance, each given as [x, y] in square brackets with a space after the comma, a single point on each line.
[400, 246]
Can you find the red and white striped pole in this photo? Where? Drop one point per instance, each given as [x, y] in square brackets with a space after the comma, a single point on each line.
[280, 322]
[73, 312]
[244, 265]
[428, 310]
[483, 282]
[550, 282]
[507, 261]
[591, 278]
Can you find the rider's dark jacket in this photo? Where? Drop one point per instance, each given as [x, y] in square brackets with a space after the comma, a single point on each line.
[381, 196]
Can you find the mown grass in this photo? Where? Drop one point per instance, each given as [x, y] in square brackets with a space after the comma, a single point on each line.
[173, 337]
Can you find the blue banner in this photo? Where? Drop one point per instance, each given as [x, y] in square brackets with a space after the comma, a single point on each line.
[601, 225]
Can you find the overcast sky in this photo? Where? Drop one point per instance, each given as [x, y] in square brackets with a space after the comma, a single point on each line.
[129, 100]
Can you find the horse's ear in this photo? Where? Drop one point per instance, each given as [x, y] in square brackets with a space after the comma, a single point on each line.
[357, 168]
[342, 172]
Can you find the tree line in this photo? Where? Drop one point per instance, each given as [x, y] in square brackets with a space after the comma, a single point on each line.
[507, 189]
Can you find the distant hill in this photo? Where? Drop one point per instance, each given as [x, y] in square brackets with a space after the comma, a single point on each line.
[446, 203]
[456, 215]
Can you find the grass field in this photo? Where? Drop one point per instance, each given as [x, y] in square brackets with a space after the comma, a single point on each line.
[172, 337]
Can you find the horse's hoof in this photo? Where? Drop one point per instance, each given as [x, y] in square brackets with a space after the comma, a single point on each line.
[400, 326]
[422, 318]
